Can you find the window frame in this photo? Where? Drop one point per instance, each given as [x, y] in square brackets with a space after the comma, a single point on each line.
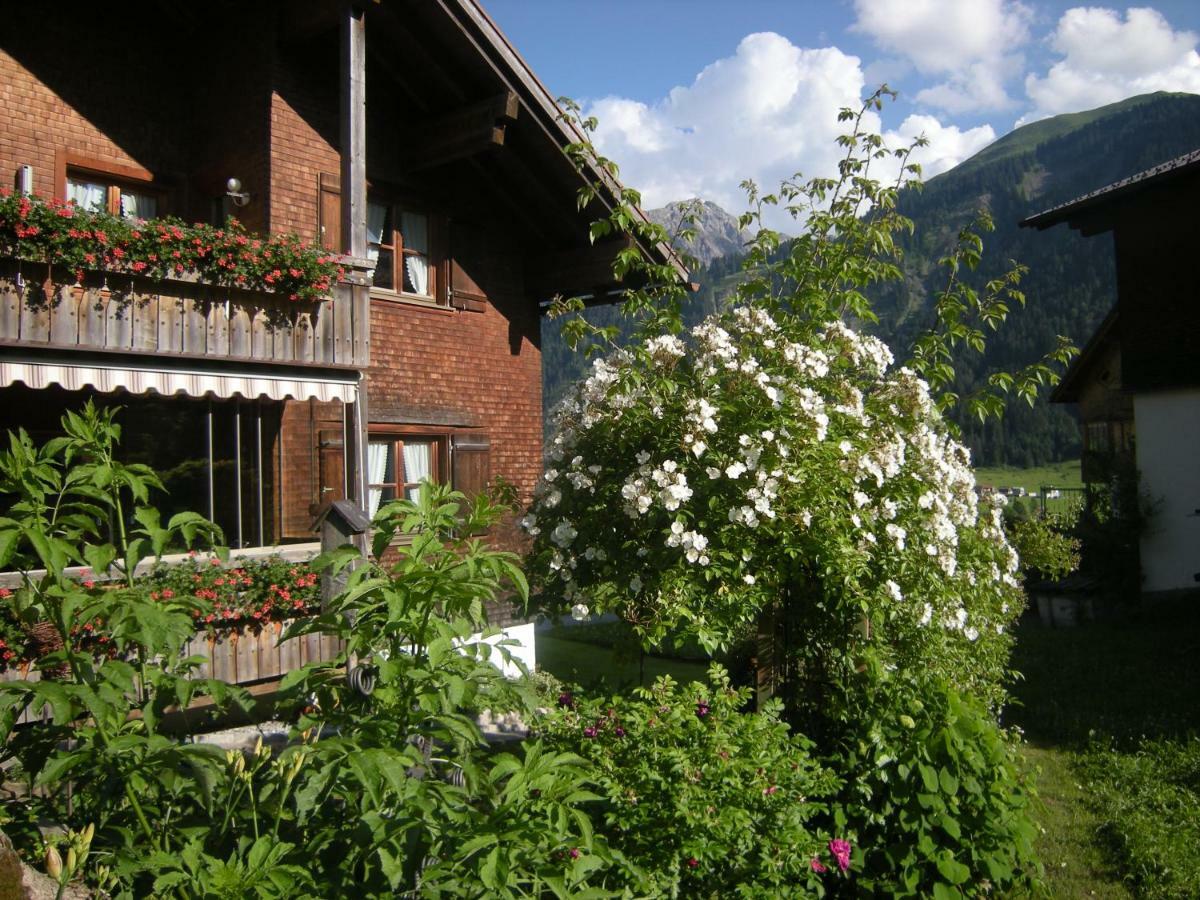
[114, 177]
[393, 240]
[397, 435]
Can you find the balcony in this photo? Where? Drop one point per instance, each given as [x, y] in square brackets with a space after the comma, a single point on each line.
[42, 307]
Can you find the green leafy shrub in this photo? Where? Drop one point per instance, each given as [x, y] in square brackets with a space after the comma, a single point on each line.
[381, 791]
[1045, 545]
[700, 797]
[933, 794]
[1148, 802]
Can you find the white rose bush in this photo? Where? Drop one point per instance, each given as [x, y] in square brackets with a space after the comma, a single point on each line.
[774, 473]
[690, 486]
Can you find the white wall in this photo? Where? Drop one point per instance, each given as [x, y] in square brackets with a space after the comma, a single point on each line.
[1168, 457]
[524, 650]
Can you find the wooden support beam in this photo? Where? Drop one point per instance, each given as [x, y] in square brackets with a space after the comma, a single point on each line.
[465, 132]
[354, 132]
[583, 270]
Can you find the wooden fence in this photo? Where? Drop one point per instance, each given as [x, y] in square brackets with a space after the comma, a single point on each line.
[235, 657]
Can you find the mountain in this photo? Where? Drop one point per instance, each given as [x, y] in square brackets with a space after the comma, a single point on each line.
[1071, 283]
[717, 232]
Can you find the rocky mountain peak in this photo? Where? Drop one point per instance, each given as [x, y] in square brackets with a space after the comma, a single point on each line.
[717, 232]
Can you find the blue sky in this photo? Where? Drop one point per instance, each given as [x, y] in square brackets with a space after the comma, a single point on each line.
[695, 95]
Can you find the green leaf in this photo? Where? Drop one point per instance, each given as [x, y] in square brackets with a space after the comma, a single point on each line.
[952, 870]
[948, 782]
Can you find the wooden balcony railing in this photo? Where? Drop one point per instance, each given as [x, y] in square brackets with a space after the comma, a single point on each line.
[131, 314]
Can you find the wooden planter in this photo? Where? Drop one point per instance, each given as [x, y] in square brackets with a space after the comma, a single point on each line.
[237, 657]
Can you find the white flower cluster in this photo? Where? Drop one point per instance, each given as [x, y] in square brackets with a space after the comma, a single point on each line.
[692, 542]
[665, 348]
[845, 450]
[667, 484]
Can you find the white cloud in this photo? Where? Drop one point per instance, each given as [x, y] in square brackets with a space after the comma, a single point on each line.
[948, 144]
[972, 44]
[765, 113]
[1107, 58]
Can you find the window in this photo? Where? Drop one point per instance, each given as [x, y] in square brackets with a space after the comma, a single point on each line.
[400, 242]
[398, 463]
[99, 192]
[1098, 438]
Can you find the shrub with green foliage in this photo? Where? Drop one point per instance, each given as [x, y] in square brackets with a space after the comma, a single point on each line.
[700, 797]
[934, 794]
[775, 470]
[381, 791]
[1045, 545]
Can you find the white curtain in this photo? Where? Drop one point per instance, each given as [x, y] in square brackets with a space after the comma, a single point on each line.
[418, 465]
[138, 206]
[377, 468]
[415, 230]
[376, 219]
[87, 194]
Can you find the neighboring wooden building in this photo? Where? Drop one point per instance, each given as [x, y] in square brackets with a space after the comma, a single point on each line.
[1138, 379]
[408, 136]
[1107, 426]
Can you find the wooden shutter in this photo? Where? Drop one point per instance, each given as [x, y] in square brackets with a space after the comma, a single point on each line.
[331, 456]
[329, 212]
[467, 250]
[470, 463]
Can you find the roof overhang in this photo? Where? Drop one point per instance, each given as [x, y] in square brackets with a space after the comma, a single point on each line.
[1092, 213]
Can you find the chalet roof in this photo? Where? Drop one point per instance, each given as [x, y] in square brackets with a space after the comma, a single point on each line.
[508, 63]
[546, 103]
[1073, 380]
[1089, 202]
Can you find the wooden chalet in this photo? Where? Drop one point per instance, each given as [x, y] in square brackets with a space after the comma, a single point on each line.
[407, 136]
[1137, 381]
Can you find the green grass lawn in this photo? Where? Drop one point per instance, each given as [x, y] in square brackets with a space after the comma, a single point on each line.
[1062, 474]
[1100, 705]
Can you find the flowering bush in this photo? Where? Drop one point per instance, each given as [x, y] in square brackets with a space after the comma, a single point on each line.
[694, 485]
[253, 593]
[59, 233]
[701, 798]
[774, 472]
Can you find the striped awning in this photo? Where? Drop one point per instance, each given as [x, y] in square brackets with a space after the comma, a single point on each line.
[43, 372]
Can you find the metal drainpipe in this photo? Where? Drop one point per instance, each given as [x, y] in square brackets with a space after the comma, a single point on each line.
[237, 466]
[212, 506]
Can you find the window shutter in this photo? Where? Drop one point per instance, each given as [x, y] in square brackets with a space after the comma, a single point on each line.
[467, 249]
[470, 463]
[329, 212]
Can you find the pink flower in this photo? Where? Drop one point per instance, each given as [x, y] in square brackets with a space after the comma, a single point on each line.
[817, 866]
[841, 852]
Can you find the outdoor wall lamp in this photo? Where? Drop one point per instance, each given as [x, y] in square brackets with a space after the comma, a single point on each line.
[233, 190]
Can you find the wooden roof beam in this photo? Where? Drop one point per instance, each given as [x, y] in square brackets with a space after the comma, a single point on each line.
[581, 271]
[468, 131]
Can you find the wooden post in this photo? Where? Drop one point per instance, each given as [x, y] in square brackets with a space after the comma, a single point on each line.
[354, 132]
[354, 215]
